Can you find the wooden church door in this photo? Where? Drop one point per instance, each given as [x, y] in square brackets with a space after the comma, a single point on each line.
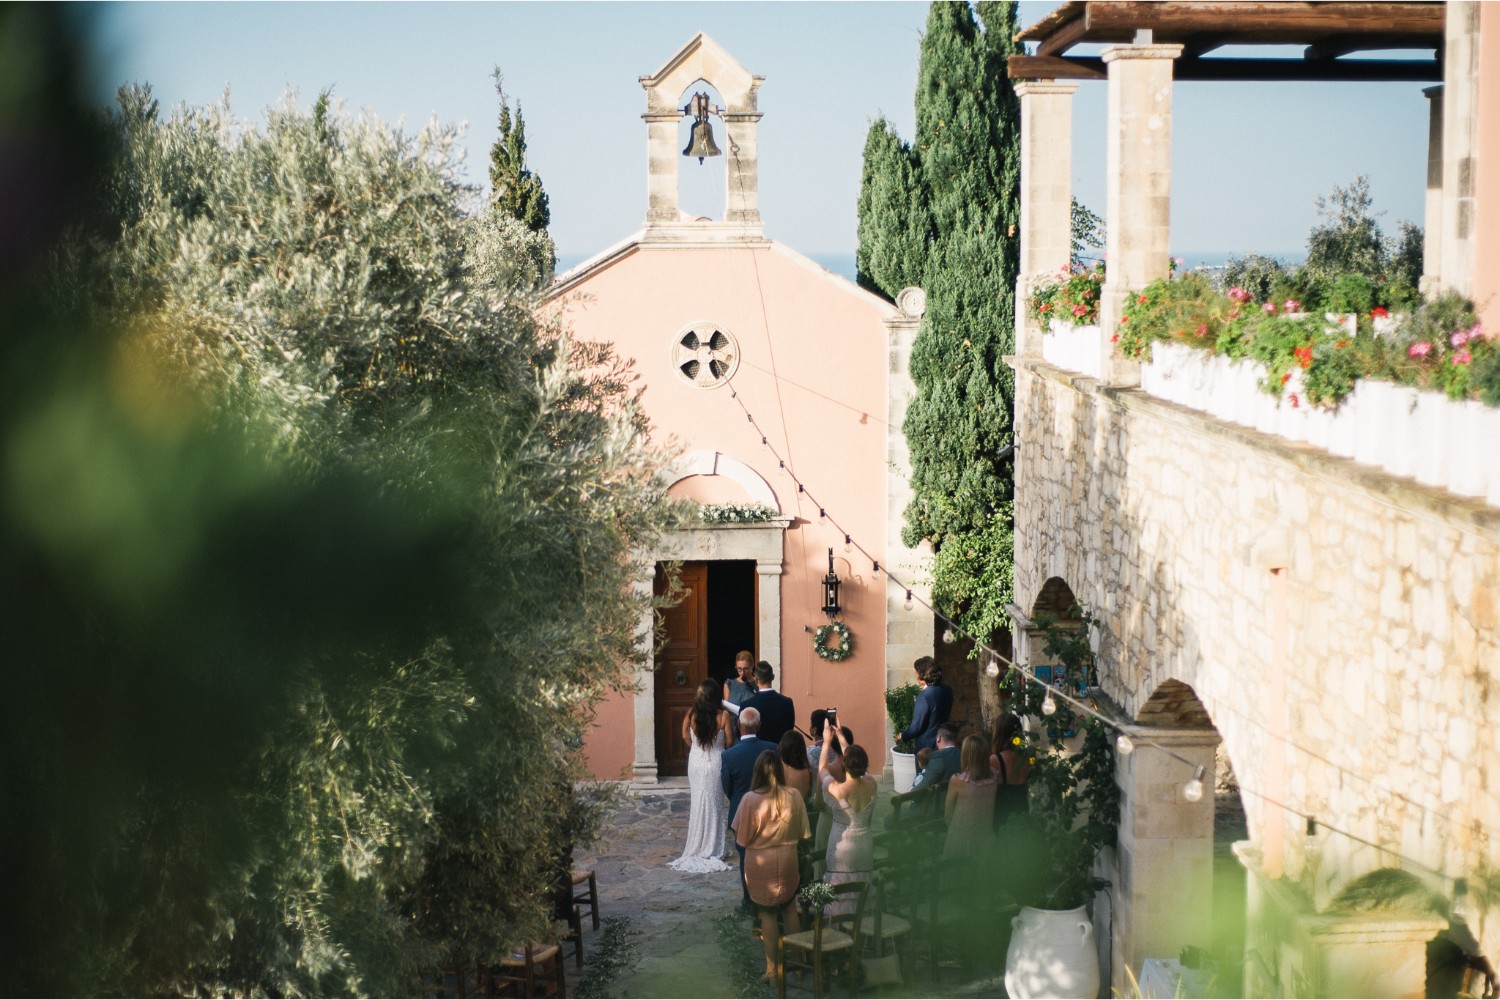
[681, 665]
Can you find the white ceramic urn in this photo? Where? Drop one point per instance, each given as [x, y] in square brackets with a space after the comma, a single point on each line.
[1052, 954]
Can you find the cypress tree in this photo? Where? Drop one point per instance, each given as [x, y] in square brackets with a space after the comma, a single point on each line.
[516, 191]
[968, 149]
[894, 226]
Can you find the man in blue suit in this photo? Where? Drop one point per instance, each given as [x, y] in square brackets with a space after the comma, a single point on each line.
[736, 767]
[778, 713]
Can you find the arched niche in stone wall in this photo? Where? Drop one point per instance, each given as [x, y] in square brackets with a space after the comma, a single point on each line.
[1174, 705]
[703, 187]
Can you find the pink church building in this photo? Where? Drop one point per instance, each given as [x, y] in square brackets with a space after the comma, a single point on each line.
[777, 383]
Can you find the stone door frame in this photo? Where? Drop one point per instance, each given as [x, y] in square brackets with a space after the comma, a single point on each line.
[764, 542]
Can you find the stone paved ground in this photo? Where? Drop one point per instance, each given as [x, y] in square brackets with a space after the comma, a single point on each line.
[675, 914]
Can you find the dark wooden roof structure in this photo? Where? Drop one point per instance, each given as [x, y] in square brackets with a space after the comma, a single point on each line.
[1328, 32]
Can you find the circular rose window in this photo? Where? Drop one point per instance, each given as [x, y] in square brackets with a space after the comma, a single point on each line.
[706, 356]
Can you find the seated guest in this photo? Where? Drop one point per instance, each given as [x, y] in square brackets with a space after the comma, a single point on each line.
[945, 760]
[970, 805]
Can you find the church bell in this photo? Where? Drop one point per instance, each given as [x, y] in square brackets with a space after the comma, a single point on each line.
[701, 138]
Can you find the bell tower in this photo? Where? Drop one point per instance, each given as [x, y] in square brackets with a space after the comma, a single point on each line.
[669, 98]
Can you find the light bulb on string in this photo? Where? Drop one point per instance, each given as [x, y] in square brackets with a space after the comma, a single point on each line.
[1049, 705]
[1193, 790]
[948, 636]
[1125, 745]
[848, 543]
[993, 670]
[908, 604]
[822, 516]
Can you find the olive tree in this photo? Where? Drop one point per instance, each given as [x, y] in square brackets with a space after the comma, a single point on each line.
[319, 543]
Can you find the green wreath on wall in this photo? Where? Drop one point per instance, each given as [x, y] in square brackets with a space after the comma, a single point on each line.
[834, 653]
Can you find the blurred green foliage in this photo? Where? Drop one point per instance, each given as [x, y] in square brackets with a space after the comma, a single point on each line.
[315, 549]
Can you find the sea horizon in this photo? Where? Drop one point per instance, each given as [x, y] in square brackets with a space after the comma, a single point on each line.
[842, 264]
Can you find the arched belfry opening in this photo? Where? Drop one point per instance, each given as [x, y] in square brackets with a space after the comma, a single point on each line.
[703, 180]
[674, 209]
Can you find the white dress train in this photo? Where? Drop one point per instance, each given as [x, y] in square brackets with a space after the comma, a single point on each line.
[708, 813]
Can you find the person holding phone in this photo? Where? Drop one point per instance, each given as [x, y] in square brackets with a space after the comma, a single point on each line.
[850, 801]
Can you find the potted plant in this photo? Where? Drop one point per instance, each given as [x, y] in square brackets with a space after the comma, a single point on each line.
[1074, 814]
[900, 707]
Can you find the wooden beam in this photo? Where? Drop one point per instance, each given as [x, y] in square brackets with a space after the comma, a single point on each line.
[1249, 70]
[1055, 68]
[1052, 22]
[1064, 37]
[1265, 21]
[1340, 45]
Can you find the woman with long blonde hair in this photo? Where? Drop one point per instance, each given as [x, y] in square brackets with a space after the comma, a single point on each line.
[970, 807]
[770, 823]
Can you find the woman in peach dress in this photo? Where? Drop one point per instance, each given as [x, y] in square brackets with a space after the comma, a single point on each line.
[771, 821]
[970, 808]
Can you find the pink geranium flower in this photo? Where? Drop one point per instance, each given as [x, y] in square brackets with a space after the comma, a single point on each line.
[1291, 306]
[1459, 338]
[1238, 294]
[1462, 357]
[1419, 350]
[1269, 307]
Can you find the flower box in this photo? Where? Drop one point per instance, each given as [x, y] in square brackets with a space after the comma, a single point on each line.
[1076, 348]
[1407, 432]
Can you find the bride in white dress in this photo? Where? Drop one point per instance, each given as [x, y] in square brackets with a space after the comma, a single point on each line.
[706, 731]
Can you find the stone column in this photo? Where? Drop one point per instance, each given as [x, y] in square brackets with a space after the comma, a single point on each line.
[1164, 892]
[1046, 195]
[644, 765]
[741, 138]
[1432, 215]
[661, 166]
[908, 634]
[1293, 951]
[768, 584]
[1139, 172]
[1460, 119]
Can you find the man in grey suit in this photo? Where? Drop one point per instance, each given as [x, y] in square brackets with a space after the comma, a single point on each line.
[736, 767]
[944, 762]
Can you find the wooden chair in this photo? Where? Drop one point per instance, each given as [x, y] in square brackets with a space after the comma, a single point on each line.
[588, 897]
[575, 934]
[832, 946]
[535, 968]
[939, 914]
[883, 928]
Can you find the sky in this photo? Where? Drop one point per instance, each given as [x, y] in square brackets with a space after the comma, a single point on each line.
[1249, 160]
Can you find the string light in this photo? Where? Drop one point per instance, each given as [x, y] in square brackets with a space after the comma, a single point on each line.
[1049, 705]
[908, 604]
[1193, 790]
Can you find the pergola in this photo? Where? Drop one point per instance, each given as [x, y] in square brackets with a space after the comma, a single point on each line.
[1328, 30]
[1145, 47]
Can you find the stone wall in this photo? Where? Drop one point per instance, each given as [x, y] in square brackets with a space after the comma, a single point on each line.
[1340, 627]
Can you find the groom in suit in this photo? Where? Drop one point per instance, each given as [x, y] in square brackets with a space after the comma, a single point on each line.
[736, 767]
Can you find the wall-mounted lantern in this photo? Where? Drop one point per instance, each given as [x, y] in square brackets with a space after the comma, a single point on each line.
[831, 590]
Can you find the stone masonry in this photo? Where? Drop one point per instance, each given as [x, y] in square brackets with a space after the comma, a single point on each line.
[1340, 627]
